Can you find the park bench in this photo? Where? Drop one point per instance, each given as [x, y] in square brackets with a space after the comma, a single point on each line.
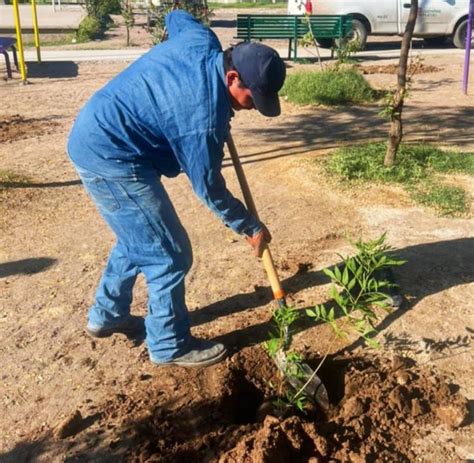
[292, 27]
[7, 43]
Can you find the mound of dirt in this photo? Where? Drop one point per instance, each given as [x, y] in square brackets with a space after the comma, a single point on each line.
[224, 414]
[16, 127]
[416, 68]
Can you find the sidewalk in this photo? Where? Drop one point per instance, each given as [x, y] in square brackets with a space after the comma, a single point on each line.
[65, 20]
[131, 54]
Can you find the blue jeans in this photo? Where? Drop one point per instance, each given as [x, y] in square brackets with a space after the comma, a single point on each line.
[151, 240]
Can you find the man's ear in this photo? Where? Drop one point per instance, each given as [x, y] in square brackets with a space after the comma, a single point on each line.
[232, 77]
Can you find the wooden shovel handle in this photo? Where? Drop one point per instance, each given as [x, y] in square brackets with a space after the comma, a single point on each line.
[268, 263]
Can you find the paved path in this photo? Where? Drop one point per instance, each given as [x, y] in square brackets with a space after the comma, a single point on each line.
[131, 54]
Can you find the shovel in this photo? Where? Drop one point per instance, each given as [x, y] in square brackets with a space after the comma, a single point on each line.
[311, 384]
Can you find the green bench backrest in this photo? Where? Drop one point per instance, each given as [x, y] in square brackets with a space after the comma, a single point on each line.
[287, 26]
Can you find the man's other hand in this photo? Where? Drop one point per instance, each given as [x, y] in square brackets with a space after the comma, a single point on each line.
[259, 240]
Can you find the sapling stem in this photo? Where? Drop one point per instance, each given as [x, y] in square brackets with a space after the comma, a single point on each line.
[315, 372]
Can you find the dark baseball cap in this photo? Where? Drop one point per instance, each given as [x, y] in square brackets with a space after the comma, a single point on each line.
[262, 71]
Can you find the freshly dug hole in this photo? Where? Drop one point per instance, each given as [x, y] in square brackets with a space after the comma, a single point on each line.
[379, 407]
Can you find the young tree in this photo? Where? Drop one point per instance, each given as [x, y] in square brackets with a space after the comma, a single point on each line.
[128, 18]
[396, 126]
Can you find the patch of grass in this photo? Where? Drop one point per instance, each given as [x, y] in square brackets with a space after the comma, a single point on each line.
[417, 169]
[414, 162]
[329, 87]
[447, 200]
[50, 41]
[269, 5]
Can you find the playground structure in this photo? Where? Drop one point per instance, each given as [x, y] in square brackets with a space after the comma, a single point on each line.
[20, 61]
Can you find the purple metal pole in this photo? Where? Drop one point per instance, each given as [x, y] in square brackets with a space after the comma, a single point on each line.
[467, 58]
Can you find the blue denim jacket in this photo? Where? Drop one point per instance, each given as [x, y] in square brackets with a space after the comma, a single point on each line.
[168, 111]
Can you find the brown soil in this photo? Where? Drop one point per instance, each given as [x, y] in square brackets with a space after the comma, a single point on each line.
[15, 127]
[227, 413]
[418, 68]
[66, 397]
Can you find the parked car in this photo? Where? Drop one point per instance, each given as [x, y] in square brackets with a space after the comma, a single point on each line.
[437, 20]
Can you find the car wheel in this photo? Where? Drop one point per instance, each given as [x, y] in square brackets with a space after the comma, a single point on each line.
[460, 34]
[325, 43]
[435, 41]
[359, 34]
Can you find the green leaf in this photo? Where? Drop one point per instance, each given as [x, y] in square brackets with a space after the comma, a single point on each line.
[311, 313]
[345, 276]
[351, 264]
[329, 273]
[323, 312]
[272, 346]
[340, 300]
[351, 284]
[381, 304]
[331, 314]
[372, 343]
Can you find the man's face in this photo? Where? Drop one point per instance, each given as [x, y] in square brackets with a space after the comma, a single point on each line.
[240, 95]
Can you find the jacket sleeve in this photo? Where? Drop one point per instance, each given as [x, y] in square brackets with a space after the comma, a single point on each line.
[200, 156]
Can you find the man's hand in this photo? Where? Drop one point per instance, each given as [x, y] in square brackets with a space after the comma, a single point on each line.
[259, 240]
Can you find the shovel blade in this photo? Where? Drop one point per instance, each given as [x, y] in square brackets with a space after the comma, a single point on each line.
[314, 388]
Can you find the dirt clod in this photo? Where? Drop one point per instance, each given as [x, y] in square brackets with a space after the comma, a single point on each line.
[402, 377]
[70, 426]
[453, 415]
[418, 407]
[353, 407]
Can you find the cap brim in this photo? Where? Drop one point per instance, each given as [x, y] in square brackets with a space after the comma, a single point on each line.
[267, 104]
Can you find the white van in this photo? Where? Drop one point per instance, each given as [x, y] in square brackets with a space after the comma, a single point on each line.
[437, 19]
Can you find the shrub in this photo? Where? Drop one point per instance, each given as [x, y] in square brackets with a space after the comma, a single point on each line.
[98, 19]
[90, 28]
[329, 87]
[108, 7]
[157, 13]
[100, 8]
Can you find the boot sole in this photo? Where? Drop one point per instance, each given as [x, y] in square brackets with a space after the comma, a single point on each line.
[204, 363]
[105, 333]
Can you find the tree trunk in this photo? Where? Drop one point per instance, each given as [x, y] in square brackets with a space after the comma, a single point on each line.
[396, 125]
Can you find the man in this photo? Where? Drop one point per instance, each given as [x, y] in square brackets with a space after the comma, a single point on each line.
[167, 113]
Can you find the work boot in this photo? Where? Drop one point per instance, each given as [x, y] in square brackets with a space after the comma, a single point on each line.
[131, 326]
[200, 353]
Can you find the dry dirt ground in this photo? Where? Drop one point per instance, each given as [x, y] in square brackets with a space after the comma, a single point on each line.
[66, 397]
